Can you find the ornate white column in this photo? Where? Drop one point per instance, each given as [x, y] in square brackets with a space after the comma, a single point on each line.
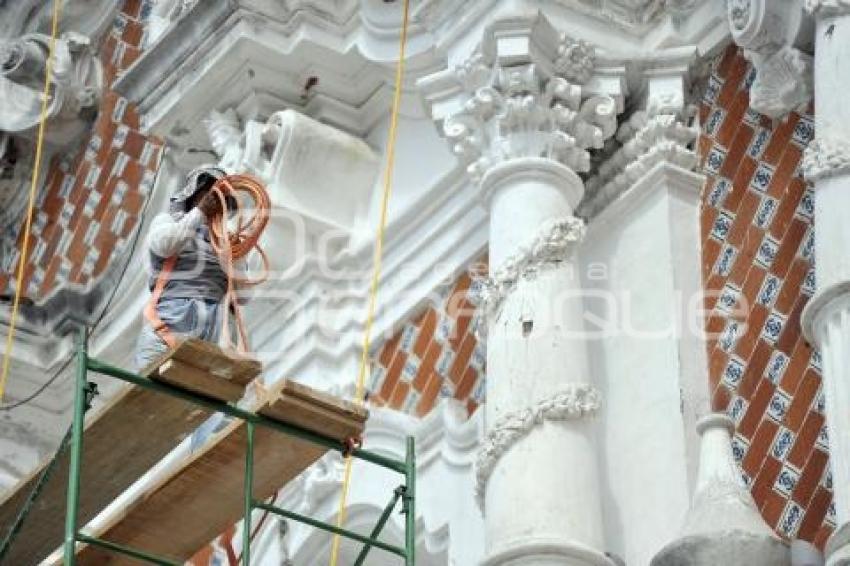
[523, 117]
[826, 320]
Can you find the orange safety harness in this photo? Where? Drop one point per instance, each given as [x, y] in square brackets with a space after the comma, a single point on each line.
[230, 246]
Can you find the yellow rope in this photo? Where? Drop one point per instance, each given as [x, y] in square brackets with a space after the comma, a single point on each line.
[376, 274]
[45, 98]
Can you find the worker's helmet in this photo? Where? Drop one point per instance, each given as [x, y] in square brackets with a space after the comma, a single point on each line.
[199, 178]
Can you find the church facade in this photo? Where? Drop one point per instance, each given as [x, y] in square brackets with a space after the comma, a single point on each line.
[605, 313]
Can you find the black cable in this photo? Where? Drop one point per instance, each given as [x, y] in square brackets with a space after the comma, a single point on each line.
[91, 391]
[103, 312]
[40, 390]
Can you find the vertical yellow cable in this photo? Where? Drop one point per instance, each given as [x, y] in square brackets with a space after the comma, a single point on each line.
[376, 274]
[7, 356]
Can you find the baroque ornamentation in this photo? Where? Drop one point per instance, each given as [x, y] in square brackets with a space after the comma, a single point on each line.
[826, 157]
[227, 139]
[551, 247]
[783, 73]
[739, 13]
[828, 8]
[163, 14]
[573, 402]
[76, 83]
[648, 138]
[524, 111]
[784, 81]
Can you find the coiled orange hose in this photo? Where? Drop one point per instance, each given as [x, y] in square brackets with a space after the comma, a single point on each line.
[236, 244]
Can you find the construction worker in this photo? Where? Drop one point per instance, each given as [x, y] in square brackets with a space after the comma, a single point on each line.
[187, 280]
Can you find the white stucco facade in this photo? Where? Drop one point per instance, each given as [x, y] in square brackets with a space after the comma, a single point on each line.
[559, 137]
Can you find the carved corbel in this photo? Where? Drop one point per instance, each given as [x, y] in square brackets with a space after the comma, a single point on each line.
[770, 31]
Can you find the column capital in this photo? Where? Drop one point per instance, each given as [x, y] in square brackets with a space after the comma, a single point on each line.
[826, 157]
[528, 91]
[828, 8]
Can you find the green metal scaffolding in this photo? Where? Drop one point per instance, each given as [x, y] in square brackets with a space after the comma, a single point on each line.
[406, 492]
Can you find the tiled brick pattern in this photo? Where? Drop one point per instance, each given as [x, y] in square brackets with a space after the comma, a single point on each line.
[434, 355]
[90, 201]
[758, 272]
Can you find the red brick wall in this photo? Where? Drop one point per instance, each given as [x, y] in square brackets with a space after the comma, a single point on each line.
[757, 268]
[89, 202]
[435, 354]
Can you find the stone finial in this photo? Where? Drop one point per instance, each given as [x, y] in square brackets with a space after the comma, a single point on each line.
[723, 525]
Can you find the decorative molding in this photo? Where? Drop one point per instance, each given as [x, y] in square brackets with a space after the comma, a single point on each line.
[631, 15]
[648, 138]
[766, 30]
[784, 81]
[828, 8]
[826, 157]
[573, 402]
[549, 248]
[76, 85]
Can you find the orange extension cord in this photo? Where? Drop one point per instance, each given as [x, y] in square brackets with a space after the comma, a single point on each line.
[233, 245]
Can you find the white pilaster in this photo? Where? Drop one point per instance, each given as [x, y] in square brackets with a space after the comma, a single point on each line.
[521, 115]
[826, 320]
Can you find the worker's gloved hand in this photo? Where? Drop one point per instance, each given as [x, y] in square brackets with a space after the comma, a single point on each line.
[210, 205]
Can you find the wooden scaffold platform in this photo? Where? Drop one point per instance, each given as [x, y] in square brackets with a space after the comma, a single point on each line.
[280, 433]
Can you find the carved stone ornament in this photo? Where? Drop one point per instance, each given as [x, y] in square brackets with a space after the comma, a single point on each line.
[765, 29]
[826, 157]
[648, 138]
[828, 8]
[76, 84]
[227, 139]
[530, 110]
[573, 402]
[548, 249]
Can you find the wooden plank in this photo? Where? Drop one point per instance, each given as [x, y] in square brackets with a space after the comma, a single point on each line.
[315, 418]
[223, 364]
[203, 497]
[294, 389]
[123, 439]
[188, 377]
[133, 432]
